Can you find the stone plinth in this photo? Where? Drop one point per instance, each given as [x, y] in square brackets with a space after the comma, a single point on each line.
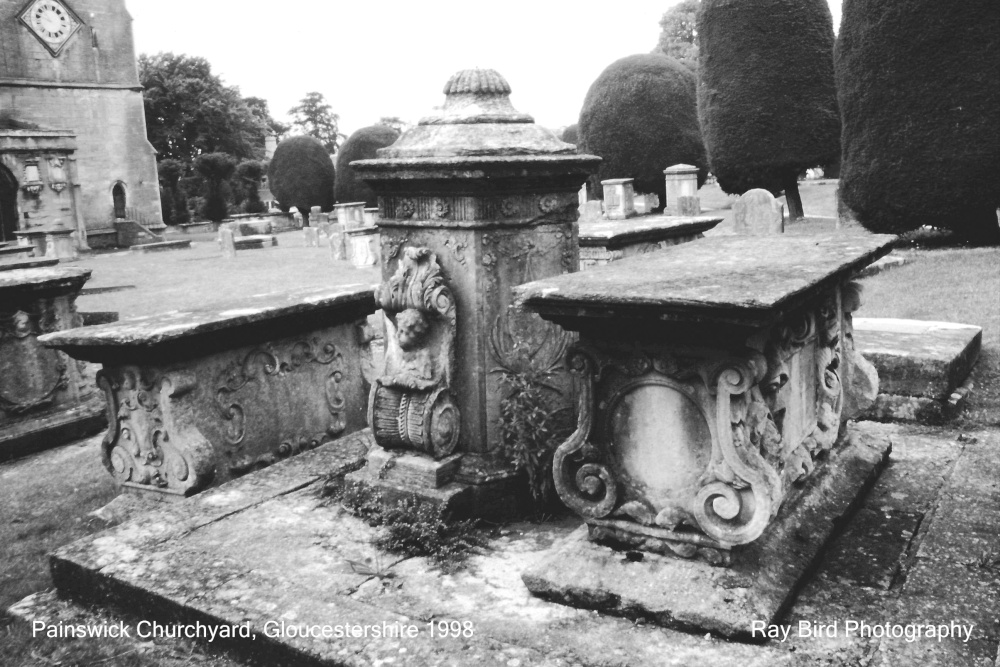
[45, 398]
[59, 244]
[351, 214]
[371, 216]
[922, 365]
[682, 190]
[714, 381]
[362, 246]
[199, 397]
[604, 242]
[492, 198]
[619, 198]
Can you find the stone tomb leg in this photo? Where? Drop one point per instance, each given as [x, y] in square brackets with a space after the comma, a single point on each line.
[715, 379]
[196, 398]
[490, 199]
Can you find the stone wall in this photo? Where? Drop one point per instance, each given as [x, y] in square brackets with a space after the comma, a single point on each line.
[92, 90]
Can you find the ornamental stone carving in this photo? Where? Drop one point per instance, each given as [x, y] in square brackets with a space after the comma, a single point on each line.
[411, 406]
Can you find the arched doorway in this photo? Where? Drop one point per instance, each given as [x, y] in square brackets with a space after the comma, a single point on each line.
[118, 195]
[8, 204]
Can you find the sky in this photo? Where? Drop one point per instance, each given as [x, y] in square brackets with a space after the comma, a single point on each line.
[373, 58]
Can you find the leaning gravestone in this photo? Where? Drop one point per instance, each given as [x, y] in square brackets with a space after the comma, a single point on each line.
[758, 213]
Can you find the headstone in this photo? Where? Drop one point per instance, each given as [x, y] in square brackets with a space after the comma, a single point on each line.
[583, 195]
[592, 211]
[312, 237]
[338, 250]
[227, 243]
[757, 213]
[682, 186]
[619, 198]
[314, 213]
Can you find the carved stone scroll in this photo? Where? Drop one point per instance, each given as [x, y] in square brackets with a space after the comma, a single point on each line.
[411, 406]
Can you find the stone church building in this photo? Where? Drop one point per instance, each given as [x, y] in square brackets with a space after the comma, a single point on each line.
[73, 147]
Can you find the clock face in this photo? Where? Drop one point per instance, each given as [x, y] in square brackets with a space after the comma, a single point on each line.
[51, 21]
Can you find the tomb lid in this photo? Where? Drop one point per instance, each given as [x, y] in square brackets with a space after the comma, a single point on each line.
[750, 281]
[107, 341]
[651, 228]
[23, 282]
[681, 169]
[476, 123]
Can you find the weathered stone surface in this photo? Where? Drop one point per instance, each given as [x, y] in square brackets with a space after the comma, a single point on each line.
[681, 182]
[31, 263]
[312, 236]
[161, 246]
[743, 280]
[591, 211]
[226, 390]
[267, 240]
[362, 246]
[45, 397]
[649, 228]
[757, 213]
[918, 358]
[758, 585]
[887, 263]
[16, 253]
[619, 199]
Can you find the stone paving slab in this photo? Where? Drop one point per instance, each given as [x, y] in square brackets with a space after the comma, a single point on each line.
[266, 548]
[917, 357]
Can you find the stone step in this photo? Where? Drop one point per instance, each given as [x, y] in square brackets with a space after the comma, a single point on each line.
[160, 246]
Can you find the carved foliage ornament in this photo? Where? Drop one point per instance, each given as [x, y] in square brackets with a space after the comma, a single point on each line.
[411, 406]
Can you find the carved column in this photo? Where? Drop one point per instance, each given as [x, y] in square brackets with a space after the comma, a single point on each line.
[493, 197]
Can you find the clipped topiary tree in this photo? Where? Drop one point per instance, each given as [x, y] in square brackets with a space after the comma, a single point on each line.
[247, 180]
[216, 169]
[360, 146]
[917, 83]
[175, 199]
[766, 95]
[640, 116]
[301, 175]
[571, 135]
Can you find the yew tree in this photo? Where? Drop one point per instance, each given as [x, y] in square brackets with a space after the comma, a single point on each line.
[767, 101]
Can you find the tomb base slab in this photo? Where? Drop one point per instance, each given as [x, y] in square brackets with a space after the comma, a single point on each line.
[690, 594]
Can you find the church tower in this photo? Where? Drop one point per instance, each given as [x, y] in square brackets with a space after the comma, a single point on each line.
[73, 147]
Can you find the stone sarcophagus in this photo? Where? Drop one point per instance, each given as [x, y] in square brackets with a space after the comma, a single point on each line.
[714, 378]
[195, 398]
[45, 397]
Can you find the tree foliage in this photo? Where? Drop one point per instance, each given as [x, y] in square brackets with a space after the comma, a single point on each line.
[571, 135]
[679, 33]
[175, 199]
[640, 116]
[360, 146]
[216, 169]
[766, 95]
[246, 186]
[259, 107]
[189, 111]
[395, 122]
[301, 175]
[918, 90]
[313, 116]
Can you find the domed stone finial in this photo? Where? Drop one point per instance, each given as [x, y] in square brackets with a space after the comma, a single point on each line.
[477, 82]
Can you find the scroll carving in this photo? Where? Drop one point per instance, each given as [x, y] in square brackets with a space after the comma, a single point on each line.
[411, 406]
[147, 445]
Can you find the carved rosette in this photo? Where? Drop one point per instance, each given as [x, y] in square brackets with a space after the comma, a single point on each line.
[689, 453]
[411, 406]
[148, 444]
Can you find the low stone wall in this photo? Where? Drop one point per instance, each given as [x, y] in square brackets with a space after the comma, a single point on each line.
[196, 398]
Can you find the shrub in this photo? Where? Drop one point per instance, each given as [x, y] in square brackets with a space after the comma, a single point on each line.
[917, 84]
[301, 175]
[247, 183]
[571, 134]
[216, 169]
[766, 95]
[640, 116]
[360, 146]
[175, 199]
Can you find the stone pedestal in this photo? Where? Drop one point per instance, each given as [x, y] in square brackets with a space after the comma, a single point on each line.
[488, 200]
[363, 246]
[708, 404]
[337, 241]
[46, 398]
[351, 214]
[196, 398]
[619, 202]
[371, 216]
[682, 190]
[59, 244]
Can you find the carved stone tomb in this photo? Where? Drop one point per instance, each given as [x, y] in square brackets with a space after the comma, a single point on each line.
[196, 398]
[713, 380]
[488, 198]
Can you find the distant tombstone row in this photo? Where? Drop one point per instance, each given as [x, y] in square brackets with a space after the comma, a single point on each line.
[620, 199]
